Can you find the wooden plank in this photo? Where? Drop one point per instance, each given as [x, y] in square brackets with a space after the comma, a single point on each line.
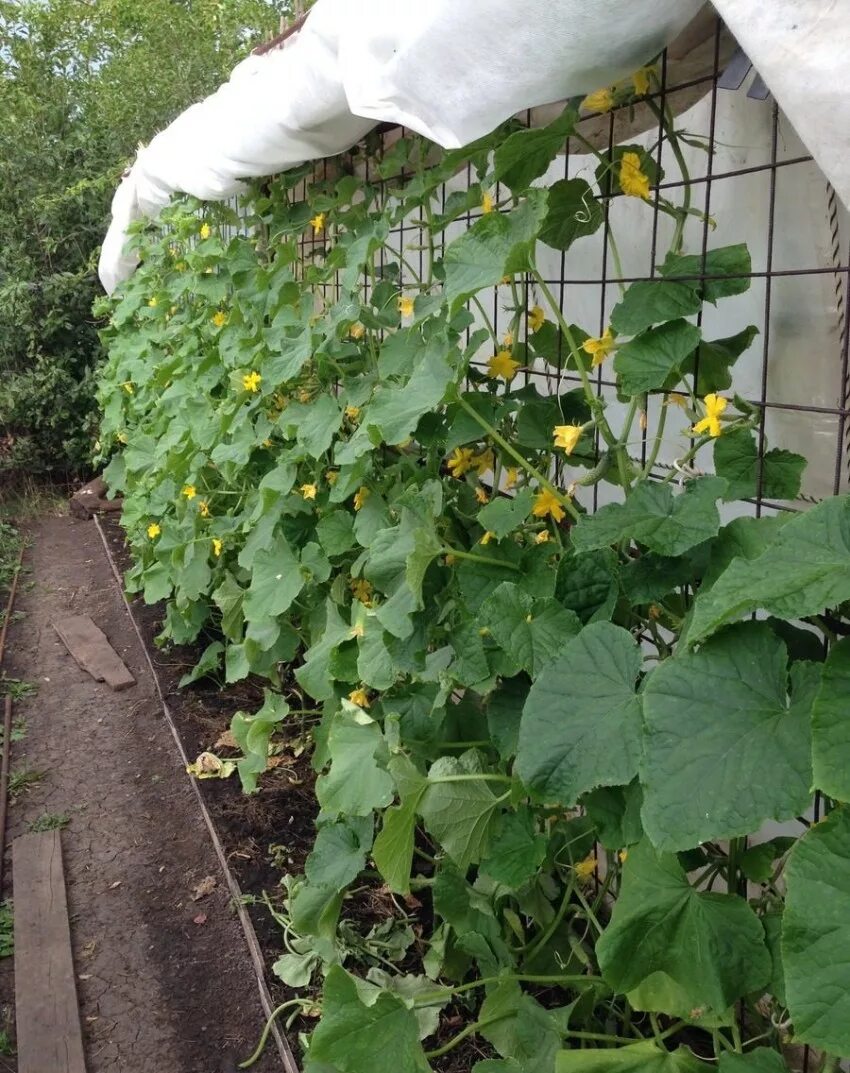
[90, 648]
[46, 1012]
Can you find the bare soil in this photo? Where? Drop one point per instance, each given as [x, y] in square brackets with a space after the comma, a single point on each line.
[165, 982]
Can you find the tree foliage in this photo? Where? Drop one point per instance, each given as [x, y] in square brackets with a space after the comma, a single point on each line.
[81, 84]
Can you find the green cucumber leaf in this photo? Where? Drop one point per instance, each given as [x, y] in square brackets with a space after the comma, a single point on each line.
[581, 723]
[715, 721]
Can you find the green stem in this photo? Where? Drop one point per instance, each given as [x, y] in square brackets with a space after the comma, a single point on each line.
[447, 992]
[497, 438]
[264, 1037]
[559, 916]
[656, 443]
[487, 322]
[470, 1030]
[447, 550]
[686, 457]
[478, 777]
[593, 400]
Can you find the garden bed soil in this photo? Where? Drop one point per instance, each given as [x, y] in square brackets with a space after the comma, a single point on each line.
[164, 977]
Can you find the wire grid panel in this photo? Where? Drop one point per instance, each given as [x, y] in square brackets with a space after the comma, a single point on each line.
[756, 183]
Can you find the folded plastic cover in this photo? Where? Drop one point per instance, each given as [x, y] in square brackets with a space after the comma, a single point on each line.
[450, 70]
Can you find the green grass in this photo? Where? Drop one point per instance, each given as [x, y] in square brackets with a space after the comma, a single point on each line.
[7, 1048]
[50, 821]
[21, 779]
[7, 929]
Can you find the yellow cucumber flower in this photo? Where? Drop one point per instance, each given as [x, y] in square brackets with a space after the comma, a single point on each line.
[360, 497]
[502, 365]
[318, 223]
[633, 181]
[251, 381]
[600, 348]
[405, 306]
[536, 318]
[547, 506]
[153, 531]
[461, 460]
[567, 436]
[308, 491]
[714, 407]
[601, 100]
[359, 697]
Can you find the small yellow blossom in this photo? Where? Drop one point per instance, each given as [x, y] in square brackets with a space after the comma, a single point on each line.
[318, 223]
[204, 509]
[189, 491]
[508, 341]
[205, 231]
[152, 302]
[655, 612]
[352, 412]
[483, 461]
[172, 311]
[600, 348]
[536, 318]
[586, 868]
[487, 203]
[502, 365]
[450, 559]
[216, 546]
[481, 495]
[601, 100]
[128, 387]
[547, 506]
[332, 476]
[251, 381]
[623, 855]
[154, 530]
[461, 460]
[219, 319]
[357, 331]
[485, 540]
[362, 590]
[542, 537]
[511, 474]
[180, 266]
[360, 497]
[405, 306]
[714, 407]
[121, 437]
[633, 181]
[676, 399]
[567, 436]
[308, 491]
[359, 697]
[266, 443]
[304, 395]
[640, 80]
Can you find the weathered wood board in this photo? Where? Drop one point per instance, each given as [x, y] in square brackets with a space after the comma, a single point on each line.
[90, 648]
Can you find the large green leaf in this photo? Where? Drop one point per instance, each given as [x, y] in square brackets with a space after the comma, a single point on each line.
[573, 213]
[831, 725]
[647, 361]
[516, 849]
[339, 852]
[459, 813]
[646, 1057]
[588, 584]
[393, 849]
[276, 580]
[715, 359]
[525, 155]
[761, 1060]
[356, 783]
[649, 302]
[353, 1037]
[505, 513]
[736, 459]
[716, 721]
[653, 516]
[804, 570]
[531, 631]
[581, 723]
[816, 934]
[521, 1028]
[711, 945]
[495, 244]
[724, 271]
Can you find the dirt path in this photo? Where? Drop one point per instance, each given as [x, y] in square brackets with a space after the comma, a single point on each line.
[165, 982]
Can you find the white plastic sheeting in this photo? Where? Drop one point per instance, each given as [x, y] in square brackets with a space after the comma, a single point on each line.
[451, 70]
